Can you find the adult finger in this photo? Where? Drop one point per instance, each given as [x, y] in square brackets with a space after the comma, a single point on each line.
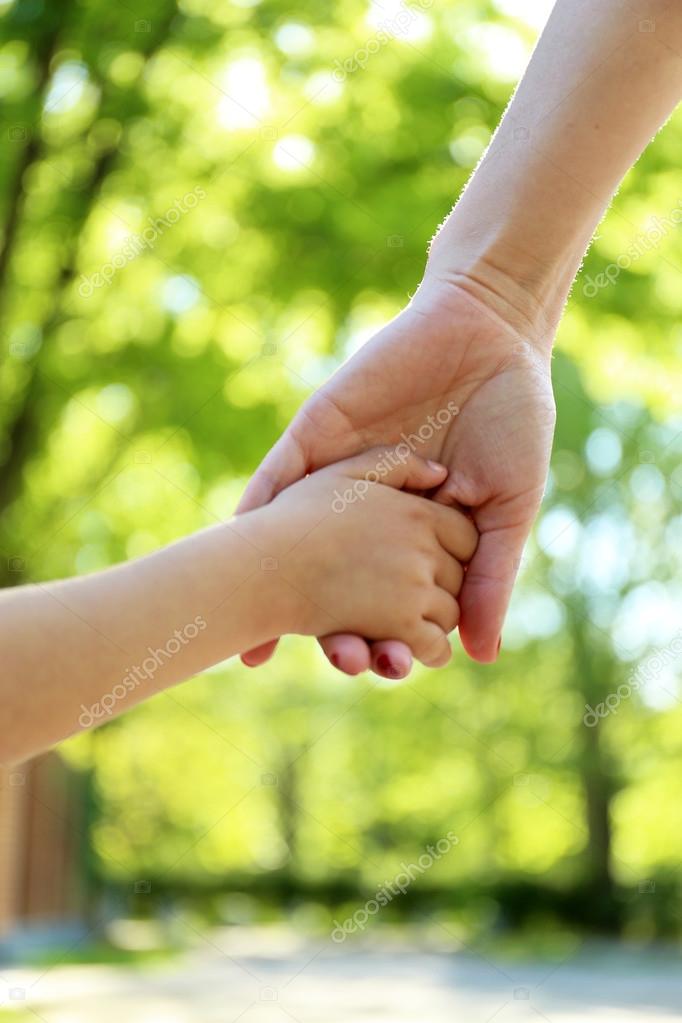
[260, 654]
[391, 658]
[350, 654]
[487, 590]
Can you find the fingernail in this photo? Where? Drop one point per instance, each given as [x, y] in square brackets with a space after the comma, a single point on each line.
[385, 664]
[436, 466]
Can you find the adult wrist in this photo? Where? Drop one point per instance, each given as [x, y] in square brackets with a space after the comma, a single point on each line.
[526, 293]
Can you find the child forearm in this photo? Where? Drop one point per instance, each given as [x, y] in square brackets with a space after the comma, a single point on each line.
[77, 652]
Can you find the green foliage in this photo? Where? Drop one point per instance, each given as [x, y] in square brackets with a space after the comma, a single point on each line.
[276, 216]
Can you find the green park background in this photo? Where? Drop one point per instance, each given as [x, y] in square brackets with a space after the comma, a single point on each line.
[205, 207]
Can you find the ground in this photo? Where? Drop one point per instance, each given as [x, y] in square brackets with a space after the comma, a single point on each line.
[272, 976]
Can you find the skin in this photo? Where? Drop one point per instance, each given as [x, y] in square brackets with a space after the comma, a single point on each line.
[80, 651]
[479, 331]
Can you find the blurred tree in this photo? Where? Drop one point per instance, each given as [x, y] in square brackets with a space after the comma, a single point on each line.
[204, 208]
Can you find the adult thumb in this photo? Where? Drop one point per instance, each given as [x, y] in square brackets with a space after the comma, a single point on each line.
[487, 590]
[284, 464]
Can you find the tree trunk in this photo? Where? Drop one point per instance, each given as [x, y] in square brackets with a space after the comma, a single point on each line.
[593, 679]
[22, 429]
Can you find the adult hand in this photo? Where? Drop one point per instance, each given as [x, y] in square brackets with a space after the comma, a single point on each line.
[478, 332]
[456, 364]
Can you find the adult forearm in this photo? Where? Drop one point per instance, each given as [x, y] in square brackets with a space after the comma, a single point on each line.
[603, 78]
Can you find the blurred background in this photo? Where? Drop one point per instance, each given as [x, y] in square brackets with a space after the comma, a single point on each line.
[205, 207]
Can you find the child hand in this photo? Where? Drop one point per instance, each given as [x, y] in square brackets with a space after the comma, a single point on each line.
[349, 555]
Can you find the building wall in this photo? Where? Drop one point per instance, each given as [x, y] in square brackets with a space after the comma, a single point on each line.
[41, 836]
[12, 804]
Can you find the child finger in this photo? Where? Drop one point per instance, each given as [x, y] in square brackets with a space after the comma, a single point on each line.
[396, 468]
[443, 610]
[449, 573]
[456, 533]
[430, 645]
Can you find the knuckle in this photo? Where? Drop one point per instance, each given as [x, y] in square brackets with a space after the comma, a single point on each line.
[423, 576]
[418, 511]
[405, 621]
